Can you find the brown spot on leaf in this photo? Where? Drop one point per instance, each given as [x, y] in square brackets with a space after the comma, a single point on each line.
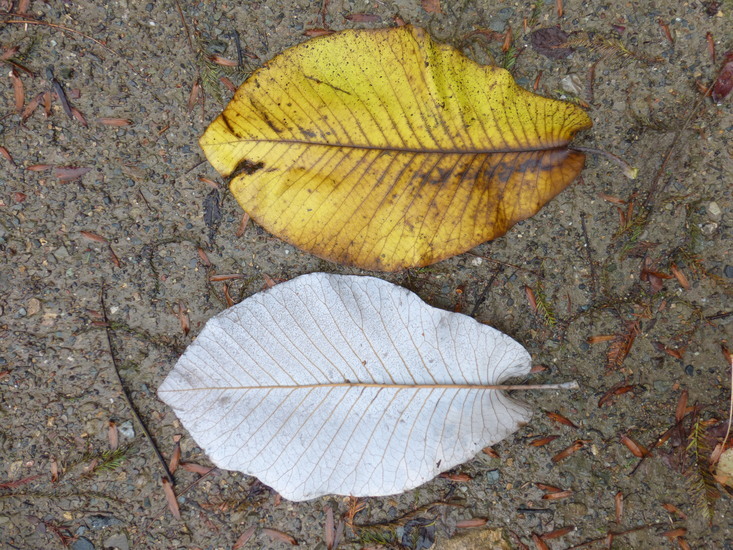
[246, 167]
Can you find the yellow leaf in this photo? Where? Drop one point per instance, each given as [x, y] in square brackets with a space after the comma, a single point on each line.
[384, 149]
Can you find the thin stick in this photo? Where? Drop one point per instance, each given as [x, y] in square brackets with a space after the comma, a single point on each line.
[74, 31]
[629, 171]
[506, 264]
[658, 177]
[185, 27]
[162, 461]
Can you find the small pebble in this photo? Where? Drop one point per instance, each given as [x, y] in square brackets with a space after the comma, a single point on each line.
[61, 253]
[492, 477]
[82, 544]
[728, 271]
[572, 84]
[34, 306]
[714, 211]
[118, 541]
[126, 429]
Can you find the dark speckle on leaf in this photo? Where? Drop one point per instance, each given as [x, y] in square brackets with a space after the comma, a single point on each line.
[246, 167]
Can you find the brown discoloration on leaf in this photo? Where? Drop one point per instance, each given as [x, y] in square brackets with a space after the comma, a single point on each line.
[246, 167]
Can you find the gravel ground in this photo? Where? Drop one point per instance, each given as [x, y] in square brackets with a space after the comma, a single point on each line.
[132, 228]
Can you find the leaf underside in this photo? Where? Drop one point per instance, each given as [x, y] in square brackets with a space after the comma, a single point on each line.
[333, 384]
[384, 149]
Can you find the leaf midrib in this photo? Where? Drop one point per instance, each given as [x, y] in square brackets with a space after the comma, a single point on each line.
[413, 150]
[359, 385]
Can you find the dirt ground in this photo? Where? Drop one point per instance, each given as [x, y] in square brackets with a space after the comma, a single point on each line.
[647, 262]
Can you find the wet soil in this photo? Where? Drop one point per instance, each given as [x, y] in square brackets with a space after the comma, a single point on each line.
[133, 229]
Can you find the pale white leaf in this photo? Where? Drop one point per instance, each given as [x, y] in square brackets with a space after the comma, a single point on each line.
[333, 384]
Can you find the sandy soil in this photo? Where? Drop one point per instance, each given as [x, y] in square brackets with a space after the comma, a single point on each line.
[145, 194]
